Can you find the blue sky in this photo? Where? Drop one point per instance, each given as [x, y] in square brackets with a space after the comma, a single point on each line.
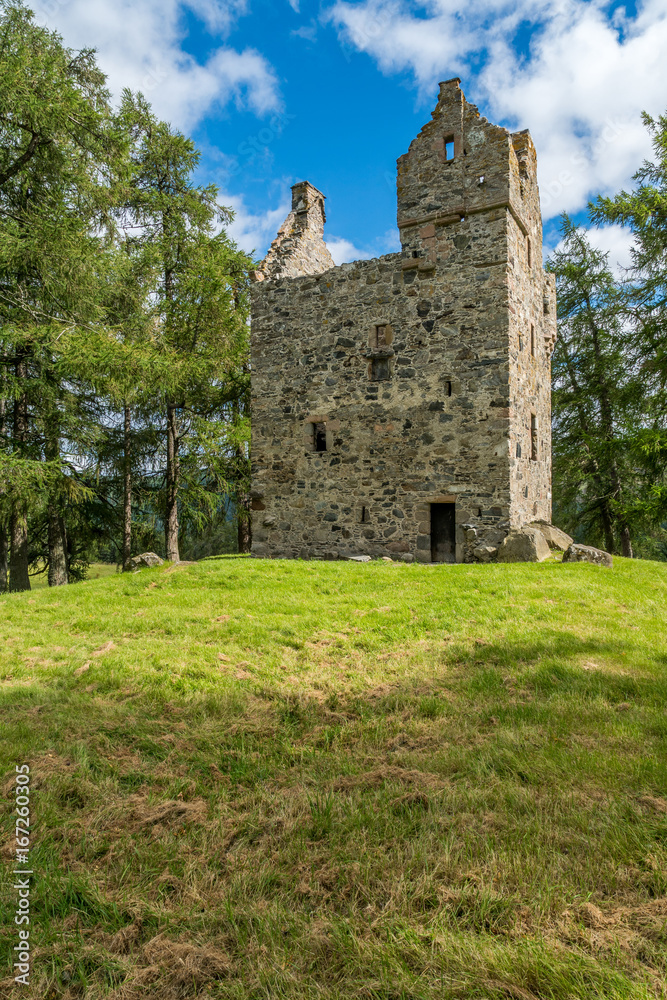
[276, 91]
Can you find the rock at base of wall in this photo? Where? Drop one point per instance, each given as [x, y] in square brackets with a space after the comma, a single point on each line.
[406, 557]
[148, 559]
[358, 558]
[485, 553]
[525, 544]
[556, 539]
[587, 553]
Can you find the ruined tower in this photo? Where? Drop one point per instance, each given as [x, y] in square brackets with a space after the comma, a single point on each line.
[401, 406]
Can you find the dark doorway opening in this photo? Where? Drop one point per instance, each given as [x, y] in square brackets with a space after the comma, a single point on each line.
[320, 436]
[443, 532]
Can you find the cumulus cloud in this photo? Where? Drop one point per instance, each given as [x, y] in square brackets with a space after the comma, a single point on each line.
[254, 231]
[139, 46]
[580, 89]
[344, 251]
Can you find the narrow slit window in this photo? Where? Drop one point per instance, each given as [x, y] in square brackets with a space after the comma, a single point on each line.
[518, 449]
[529, 253]
[364, 515]
[448, 388]
[380, 336]
[532, 340]
[533, 437]
[449, 148]
[320, 436]
[520, 342]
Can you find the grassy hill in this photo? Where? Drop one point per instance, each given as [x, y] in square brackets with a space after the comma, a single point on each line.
[328, 780]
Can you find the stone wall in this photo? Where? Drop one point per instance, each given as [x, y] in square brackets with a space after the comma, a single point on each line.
[407, 369]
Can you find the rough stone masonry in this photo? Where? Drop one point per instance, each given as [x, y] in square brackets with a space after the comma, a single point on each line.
[401, 406]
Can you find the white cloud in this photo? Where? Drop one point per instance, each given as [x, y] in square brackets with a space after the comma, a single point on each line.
[617, 242]
[612, 240]
[254, 231]
[344, 251]
[139, 46]
[580, 91]
[294, 4]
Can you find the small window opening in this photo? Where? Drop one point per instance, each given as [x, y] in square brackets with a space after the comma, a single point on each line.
[518, 449]
[529, 255]
[364, 515]
[380, 369]
[520, 342]
[380, 336]
[532, 340]
[448, 388]
[320, 436]
[479, 512]
[545, 306]
[449, 148]
[533, 437]
[525, 492]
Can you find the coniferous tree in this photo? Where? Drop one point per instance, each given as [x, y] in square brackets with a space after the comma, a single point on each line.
[597, 396]
[643, 211]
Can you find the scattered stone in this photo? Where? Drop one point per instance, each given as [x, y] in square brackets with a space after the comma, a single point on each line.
[485, 553]
[387, 559]
[525, 544]
[555, 538]
[146, 559]
[407, 557]
[358, 558]
[587, 553]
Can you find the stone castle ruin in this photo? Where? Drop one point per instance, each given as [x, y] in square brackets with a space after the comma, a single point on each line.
[401, 406]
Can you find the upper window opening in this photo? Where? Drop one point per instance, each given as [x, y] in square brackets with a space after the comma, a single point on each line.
[449, 148]
[532, 340]
[364, 515]
[533, 437]
[448, 388]
[380, 336]
[529, 255]
[320, 436]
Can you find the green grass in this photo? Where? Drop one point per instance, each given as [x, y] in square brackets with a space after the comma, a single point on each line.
[328, 780]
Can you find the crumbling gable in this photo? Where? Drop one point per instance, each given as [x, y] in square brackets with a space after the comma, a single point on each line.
[401, 406]
[299, 247]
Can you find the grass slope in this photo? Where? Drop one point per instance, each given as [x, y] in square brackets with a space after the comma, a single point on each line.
[328, 780]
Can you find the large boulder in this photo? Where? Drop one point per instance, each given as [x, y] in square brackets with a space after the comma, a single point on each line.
[587, 553]
[556, 539]
[148, 559]
[525, 544]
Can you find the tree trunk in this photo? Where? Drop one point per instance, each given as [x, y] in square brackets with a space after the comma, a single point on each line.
[626, 543]
[127, 490]
[56, 533]
[244, 526]
[57, 552]
[3, 559]
[19, 578]
[171, 515]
